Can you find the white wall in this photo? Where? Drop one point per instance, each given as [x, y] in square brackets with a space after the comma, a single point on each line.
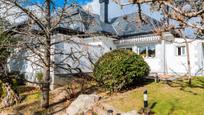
[178, 64]
[84, 49]
[87, 51]
[172, 63]
[97, 46]
[153, 62]
[22, 61]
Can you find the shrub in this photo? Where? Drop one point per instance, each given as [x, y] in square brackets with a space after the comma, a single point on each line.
[119, 68]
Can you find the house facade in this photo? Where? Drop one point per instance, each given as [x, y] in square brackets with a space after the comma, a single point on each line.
[165, 54]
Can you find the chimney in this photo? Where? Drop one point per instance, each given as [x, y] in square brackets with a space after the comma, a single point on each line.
[104, 10]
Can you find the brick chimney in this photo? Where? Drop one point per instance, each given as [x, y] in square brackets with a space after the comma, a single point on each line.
[104, 10]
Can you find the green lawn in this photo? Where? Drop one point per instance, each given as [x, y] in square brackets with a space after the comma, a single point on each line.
[176, 98]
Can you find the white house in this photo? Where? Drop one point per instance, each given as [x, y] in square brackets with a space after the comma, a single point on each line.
[164, 54]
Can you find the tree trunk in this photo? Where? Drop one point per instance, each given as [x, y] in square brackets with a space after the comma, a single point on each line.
[45, 88]
[188, 61]
[46, 84]
[46, 76]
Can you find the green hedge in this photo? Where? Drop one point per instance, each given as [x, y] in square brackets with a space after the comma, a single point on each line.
[119, 68]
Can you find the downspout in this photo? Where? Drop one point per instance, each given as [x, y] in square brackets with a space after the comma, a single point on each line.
[164, 40]
[202, 57]
[164, 55]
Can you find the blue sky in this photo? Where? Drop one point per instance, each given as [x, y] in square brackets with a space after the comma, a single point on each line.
[61, 1]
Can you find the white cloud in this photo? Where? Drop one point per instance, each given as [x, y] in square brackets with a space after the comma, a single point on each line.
[114, 9]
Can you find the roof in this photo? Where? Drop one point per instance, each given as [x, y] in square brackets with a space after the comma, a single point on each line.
[77, 19]
[131, 24]
[127, 25]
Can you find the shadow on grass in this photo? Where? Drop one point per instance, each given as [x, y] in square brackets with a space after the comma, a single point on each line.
[201, 82]
[74, 89]
[137, 84]
[60, 98]
[84, 86]
[143, 111]
[59, 106]
[153, 105]
[24, 89]
[183, 84]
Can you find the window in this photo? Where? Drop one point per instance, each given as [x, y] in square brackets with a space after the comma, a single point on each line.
[142, 51]
[146, 51]
[129, 48]
[180, 50]
[151, 51]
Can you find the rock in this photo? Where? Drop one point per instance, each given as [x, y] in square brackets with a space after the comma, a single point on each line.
[82, 104]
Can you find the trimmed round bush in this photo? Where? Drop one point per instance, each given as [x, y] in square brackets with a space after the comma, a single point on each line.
[119, 68]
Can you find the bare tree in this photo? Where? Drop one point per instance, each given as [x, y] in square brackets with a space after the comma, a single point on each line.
[38, 37]
[44, 23]
[42, 19]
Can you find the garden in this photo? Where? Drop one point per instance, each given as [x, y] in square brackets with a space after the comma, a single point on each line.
[119, 79]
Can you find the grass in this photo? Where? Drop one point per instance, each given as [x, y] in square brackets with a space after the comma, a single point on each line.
[175, 98]
[31, 96]
[29, 102]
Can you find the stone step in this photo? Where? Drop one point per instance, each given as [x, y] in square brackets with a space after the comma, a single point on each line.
[99, 111]
[102, 109]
